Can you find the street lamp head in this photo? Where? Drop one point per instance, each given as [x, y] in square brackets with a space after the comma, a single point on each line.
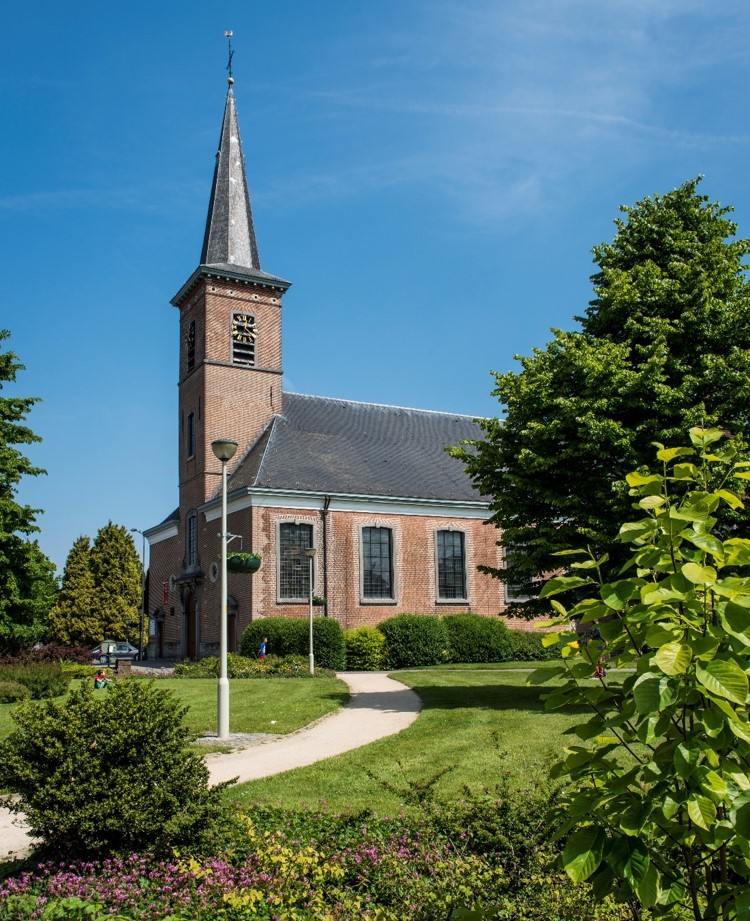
[310, 551]
[224, 449]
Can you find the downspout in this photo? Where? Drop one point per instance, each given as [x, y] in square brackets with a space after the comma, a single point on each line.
[324, 516]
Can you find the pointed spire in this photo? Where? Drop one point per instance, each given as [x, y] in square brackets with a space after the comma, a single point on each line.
[230, 235]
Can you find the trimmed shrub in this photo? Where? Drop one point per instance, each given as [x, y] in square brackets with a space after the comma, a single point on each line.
[75, 670]
[478, 639]
[11, 692]
[365, 649]
[527, 646]
[43, 679]
[414, 639]
[111, 773]
[329, 645]
[289, 636]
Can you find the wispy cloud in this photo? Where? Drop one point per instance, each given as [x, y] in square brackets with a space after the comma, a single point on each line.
[499, 104]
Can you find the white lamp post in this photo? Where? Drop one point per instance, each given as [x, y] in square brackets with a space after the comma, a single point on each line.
[143, 604]
[224, 450]
[310, 554]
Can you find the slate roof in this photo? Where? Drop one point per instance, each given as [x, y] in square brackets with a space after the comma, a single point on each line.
[340, 447]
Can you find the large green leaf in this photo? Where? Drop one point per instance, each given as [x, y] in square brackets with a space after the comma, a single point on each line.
[652, 693]
[702, 811]
[723, 678]
[649, 888]
[616, 595]
[562, 584]
[629, 859]
[706, 542]
[583, 853]
[736, 620]
[699, 575]
[673, 658]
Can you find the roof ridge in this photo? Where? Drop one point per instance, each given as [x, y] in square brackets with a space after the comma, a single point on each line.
[411, 409]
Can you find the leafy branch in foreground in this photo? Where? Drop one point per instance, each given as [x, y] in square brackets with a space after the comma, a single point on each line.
[657, 803]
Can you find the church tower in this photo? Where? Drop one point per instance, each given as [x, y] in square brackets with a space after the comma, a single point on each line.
[230, 340]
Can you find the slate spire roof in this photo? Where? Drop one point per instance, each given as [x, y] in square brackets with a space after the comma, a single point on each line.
[230, 235]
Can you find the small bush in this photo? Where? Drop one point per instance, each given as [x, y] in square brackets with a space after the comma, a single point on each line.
[527, 646]
[111, 773]
[44, 679]
[289, 636]
[11, 692]
[414, 639]
[365, 649]
[75, 670]
[241, 667]
[478, 639]
[329, 645]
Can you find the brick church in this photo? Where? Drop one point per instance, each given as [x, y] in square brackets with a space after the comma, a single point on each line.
[396, 523]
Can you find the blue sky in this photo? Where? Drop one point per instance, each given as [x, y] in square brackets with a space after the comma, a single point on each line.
[430, 174]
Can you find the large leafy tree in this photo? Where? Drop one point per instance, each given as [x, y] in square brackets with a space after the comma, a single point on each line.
[116, 572]
[664, 345]
[75, 619]
[27, 577]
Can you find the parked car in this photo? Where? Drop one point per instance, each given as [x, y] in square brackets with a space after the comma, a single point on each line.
[121, 650]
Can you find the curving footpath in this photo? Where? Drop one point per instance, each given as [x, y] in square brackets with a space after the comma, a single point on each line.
[379, 707]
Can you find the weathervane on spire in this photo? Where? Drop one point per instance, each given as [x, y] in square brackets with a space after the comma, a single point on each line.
[228, 35]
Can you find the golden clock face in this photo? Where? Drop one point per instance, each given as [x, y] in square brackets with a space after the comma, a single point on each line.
[243, 327]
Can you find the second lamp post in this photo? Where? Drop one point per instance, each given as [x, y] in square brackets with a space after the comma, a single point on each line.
[310, 554]
[224, 450]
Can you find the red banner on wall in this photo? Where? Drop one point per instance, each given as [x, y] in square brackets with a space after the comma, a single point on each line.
[165, 591]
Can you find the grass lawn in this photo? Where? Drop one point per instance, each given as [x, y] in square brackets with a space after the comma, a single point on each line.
[253, 704]
[485, 725]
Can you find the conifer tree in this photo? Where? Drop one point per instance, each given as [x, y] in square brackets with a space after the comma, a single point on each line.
[116, 571]
[664, 345]
[75, 619]
[27, 578]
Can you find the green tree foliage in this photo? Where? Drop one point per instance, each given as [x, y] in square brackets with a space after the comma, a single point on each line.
[116, 571]
[27, 577]
[658, 799]
[664, 345]
[74, 620]
[110, 773]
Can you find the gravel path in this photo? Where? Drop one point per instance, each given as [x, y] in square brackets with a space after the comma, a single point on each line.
[379, 707]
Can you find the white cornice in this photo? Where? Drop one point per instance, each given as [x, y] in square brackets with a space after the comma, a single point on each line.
[161, 532]
[374, 505]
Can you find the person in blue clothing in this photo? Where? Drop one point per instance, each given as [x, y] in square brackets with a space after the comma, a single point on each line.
[263, 647]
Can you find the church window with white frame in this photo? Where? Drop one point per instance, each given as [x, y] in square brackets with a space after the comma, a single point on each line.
[294, 564]
[377, 564]
[450, 547]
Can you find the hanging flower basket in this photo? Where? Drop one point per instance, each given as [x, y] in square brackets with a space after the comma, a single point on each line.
[243, 562]
[318, 601]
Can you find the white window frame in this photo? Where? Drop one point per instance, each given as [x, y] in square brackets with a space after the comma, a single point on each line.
[280, 599]
[385, 599]
[463, 599]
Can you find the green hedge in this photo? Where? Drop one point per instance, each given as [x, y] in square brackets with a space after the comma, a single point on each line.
[414, 639]
[43, 679]
[289, 636]
[527, 646]
[365, 649]
[474, 638]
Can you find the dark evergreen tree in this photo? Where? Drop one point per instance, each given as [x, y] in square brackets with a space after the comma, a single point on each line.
[75, 618]
[116, 571]
[27, 577]
[664, 345]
